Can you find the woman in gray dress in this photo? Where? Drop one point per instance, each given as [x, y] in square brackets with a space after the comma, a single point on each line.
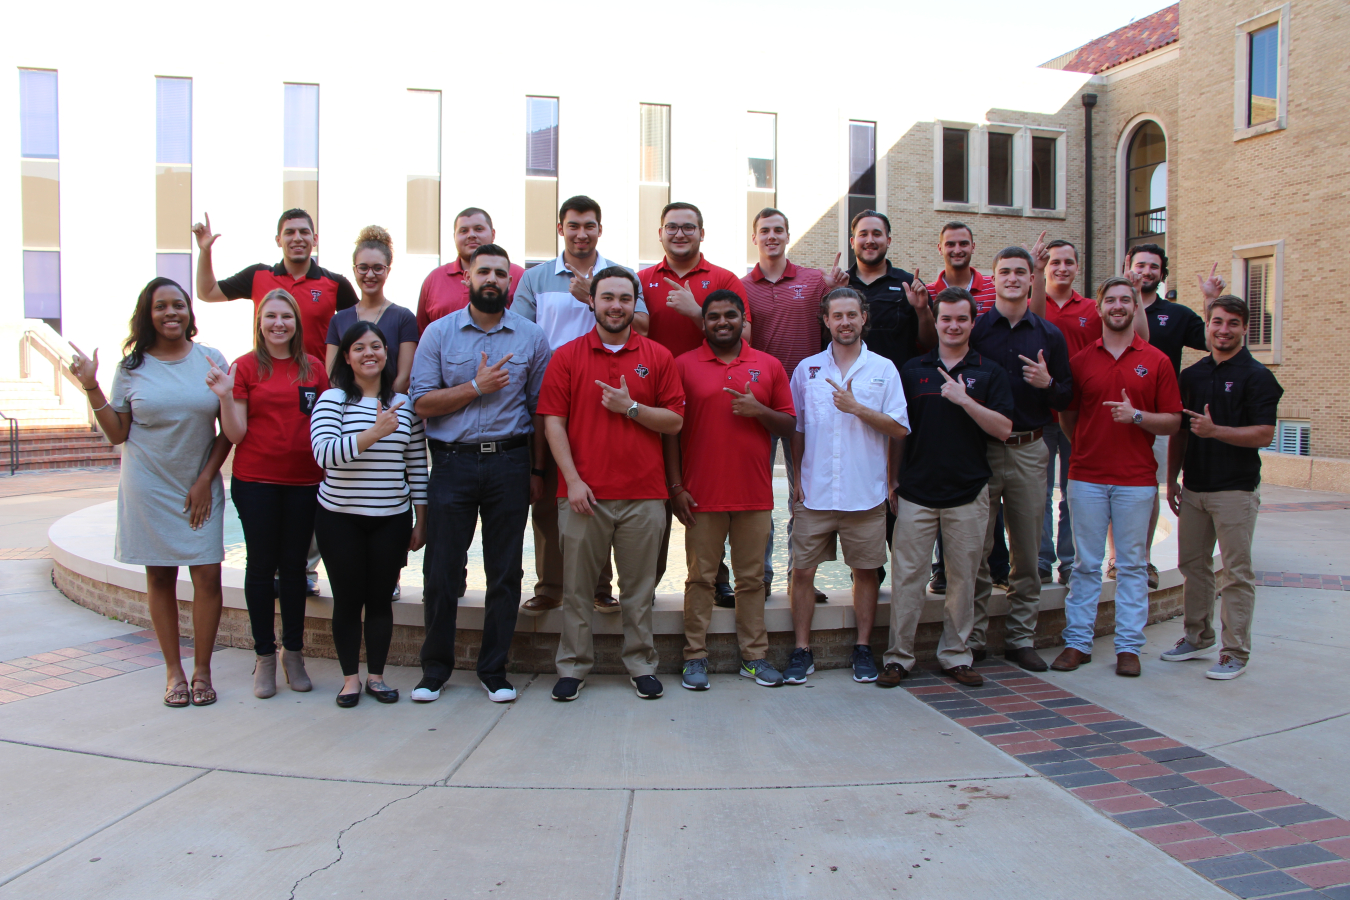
[170, 500]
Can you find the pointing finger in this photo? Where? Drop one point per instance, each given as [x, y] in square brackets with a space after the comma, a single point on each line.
[837, 257]
[831, 383]
[1030, 362]
[396, 406]
[945, 376]
[1195, 414]
[503, 360]
[673, 283]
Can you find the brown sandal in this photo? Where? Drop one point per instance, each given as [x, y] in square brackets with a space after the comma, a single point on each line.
[203, 696]
[177, 696]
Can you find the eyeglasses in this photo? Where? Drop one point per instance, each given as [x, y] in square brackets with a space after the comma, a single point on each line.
[672, 229]
[377, 269]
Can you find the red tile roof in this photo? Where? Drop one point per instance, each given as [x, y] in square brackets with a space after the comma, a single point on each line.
[1135, 39]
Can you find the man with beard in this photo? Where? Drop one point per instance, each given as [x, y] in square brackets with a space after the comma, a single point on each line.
[446, 289]
[557, 296]
[1124, 393]
[1033, 353]
[608, 398]
[476, 381]
[850, 407]
[1230, 403]
[735, 398]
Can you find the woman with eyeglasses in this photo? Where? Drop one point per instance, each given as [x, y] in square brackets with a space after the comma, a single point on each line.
[371, 262]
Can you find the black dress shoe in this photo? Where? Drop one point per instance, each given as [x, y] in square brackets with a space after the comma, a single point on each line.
[979, 654]
[939, 583]
[389, 695]
[724, 596]
[821, 596]
[347, 701]
[1027, 658]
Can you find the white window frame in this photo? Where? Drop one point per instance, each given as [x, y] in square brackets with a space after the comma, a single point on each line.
[1021, 177]
[1273, 354]
[1122, 178]
[1061, 173]
[1297, 424]
[974, 189]
[1242, 47]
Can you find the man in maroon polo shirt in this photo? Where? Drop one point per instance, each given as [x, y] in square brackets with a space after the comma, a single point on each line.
[607, 399]
[735, 397]
[956, 244]
[446, 289]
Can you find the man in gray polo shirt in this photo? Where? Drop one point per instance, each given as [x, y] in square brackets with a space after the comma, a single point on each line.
[557, 297]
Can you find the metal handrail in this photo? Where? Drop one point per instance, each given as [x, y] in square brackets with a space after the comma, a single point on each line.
[60, 362]
[13, 443]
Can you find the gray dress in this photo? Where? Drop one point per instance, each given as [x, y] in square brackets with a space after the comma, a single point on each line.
[173, 427]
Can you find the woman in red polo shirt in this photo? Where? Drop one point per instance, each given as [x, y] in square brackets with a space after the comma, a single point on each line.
[265, 402]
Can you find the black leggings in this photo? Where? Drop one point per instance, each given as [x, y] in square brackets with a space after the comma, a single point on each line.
[363, 556]
[278, 521]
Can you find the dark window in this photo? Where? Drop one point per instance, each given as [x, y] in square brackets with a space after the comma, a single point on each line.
[541, 136]
[955, 165]
[1146, 187]
[1043, 178]
[1262, 75]
[862, 170]
[1000, 169]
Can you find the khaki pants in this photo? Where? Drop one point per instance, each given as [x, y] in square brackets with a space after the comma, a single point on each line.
[1229, 517]
[963, 530]
[1019, 479]
[548, 556]
[749, 531]
[632, 529]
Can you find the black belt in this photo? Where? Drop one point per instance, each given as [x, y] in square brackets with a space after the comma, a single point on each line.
[484, 447]
[1018, 440]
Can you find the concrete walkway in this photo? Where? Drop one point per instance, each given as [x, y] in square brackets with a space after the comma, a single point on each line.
[830, 790]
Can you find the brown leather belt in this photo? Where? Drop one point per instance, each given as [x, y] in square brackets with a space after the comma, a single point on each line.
[1025, 437]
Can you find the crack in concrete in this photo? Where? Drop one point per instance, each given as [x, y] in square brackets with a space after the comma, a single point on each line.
[482, 736]
[1277, 731]
[623, 847]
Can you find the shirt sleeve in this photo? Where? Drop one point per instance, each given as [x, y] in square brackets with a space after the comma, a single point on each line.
[415, 461]
[797, 387]
[1262, 398]
[893, 397]
[522, 302]
[555, 394]
[331, 449]
[426, 368]
[670, 389]
[346, 294]
[999, 397]
[120, 398]
[534, 379]
[1057, 361]
[243, 376]
[780, 398]
[1195, 330]
[333, 339]
[408, 330]
[240, 284]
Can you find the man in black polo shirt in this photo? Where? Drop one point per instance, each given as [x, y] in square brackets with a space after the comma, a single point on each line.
[956, 399]
[1036, 358]
[1230, 403]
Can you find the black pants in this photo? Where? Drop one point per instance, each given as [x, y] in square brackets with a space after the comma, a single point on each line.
[465, 486]
[363, 556]
[278, 521]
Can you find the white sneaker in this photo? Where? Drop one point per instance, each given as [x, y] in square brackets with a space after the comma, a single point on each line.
[1226, 669]
[427, 689]
[499, 690]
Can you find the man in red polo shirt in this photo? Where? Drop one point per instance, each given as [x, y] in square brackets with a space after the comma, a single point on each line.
[956, 243]
[607, 399]
[735, 396]
[318, 292]
[676, 287]
[446, 289]
[1124, 394]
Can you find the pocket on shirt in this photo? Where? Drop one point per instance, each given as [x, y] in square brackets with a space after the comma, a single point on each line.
[308, 397]
[462, 367]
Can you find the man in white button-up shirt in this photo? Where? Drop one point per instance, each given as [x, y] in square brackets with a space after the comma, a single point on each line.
[850, 406]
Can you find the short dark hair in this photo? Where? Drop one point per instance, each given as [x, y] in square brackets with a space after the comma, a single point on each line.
[615, 272]
[1148, 248]
[680, 204]
[958, 295]
[956, 226]
[723, 295]
[1060, 242]
[868, 214]
[849, 293]
[764, 214]
[489, 250]
[1116, 281]
[295, 214]
[468, 211]
[578, 204]
[1014, 253]
[1233, 304]
[344, 378]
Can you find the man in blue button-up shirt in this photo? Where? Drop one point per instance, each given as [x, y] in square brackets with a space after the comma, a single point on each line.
[476, 381]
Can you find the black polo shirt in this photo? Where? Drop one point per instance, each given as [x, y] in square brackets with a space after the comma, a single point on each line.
[892, 324]
[1172, 326]
[1240, 391]
[1003, 343]
[946, 460]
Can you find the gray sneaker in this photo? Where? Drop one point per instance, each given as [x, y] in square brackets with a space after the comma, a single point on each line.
[762, 672]
[695, 674]
[1185, 650]
[1226, 669]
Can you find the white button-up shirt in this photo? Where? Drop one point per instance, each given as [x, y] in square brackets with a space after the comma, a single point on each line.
[844, 463]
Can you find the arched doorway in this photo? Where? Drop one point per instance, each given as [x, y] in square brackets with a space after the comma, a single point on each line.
[1146, 186]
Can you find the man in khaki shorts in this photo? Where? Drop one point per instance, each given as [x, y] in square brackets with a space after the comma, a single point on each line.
[850, 406]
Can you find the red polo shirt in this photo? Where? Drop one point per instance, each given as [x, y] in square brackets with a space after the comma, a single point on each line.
[674, 330]
[446, 290]
[1104, 450]
[616, 457]
[319, 293]
[981, 288]
[276, 449]
[1078, 319]
[722, 454]
[786, 312]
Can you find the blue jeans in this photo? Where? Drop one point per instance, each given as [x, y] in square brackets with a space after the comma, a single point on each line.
[1128, 509]
[1057, 442]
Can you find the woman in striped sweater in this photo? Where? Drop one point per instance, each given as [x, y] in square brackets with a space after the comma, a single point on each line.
[373, 453]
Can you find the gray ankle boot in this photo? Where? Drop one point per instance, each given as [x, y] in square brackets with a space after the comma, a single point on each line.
[265, 676]
[293, 662]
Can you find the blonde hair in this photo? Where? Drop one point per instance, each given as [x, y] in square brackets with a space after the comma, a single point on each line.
[297, 342]
[373, 237]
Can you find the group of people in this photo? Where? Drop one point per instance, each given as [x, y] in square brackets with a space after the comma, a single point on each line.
[600, 403]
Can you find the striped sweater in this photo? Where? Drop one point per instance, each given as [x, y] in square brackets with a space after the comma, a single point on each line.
[379, 482]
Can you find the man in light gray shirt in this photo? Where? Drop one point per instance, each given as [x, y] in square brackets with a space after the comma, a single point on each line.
[476, 380]
[557, 296]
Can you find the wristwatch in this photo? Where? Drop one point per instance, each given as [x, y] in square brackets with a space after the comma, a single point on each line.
[632, 411]
[1137, 418]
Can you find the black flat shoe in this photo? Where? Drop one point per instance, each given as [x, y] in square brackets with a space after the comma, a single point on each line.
[386, 696]
[347, 701]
